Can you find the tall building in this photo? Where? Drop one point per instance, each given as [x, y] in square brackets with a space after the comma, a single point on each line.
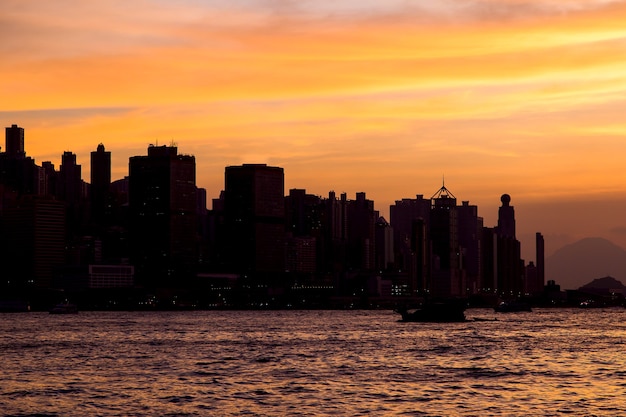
[17, 171]
[402, 216]
[254, 217]
[15, 141]
[384, 244]
[70, 177]
[361, 233]
[447, 275]
[100, 183]
[510, 273]
[470, 227]
[535, 273]
[540, 259]
[333, 246]
[305, 245]
[506, 217]
[33, 236]
[410, 219]
[162, 216]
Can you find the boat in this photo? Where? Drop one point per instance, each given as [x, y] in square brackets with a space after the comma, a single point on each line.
[512, 307]
[64, 308]
[435, 312]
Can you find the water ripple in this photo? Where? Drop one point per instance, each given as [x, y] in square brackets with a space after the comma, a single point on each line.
[319, 363]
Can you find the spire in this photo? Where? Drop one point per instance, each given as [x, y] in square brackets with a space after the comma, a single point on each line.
[443, 192]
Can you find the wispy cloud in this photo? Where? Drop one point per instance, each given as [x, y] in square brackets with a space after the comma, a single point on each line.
[525, 96]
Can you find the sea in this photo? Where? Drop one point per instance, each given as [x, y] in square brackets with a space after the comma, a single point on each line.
[548, 362]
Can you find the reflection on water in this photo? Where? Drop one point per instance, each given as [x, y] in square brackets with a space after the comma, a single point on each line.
[314, 363]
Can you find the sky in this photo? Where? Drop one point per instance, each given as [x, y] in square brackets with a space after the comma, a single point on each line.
[520, 97]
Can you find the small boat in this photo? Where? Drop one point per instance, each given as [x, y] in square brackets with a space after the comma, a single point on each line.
[590, 304]
[512, 307]
[64, 308]
[435, 312]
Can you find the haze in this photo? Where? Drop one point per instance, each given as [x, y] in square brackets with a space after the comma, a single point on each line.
[525, 98]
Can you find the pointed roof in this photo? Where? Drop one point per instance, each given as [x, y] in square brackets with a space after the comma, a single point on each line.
[443, 192]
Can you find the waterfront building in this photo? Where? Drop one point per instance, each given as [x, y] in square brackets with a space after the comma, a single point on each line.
[535, 272]
[254, 220]
[162, 216]
[447, 275]
[33, 241]
[15, 142]
[470, 227]
[110, 276]
[70, 179]
[100, 184]
[510, 273]
[540, 260]
[409, 219]
[384, 245]
[17, 171]
[361, 233]
[305, 243]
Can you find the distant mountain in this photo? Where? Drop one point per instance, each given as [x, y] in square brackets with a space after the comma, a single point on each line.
[606, 283]
[581, 262]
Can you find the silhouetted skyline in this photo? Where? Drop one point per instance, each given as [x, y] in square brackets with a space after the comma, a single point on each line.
[156, 233]
[500, 97]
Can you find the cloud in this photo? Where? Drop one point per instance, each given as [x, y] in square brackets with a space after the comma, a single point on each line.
[519, 96]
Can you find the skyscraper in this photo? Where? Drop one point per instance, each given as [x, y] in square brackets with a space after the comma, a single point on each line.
[70, 179]
[506, 217]
[100, 183]
[470, 235]
[15, 141]
[33, 236]
[18, 172]
[361, 233]
[254, 215]
[410, 219]
[163, 221]
[447, 276]
[510, 279]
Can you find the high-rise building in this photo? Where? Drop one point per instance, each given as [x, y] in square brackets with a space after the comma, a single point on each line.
[70, 179]
[510, 273]
[162, 212]
[17, 171]
[15, 141]
[384, 244]
[402, 215]
[447, 275]
[100, 183]
[410, 219]
[470, 227]
[535, 279]
[33, 236]
[333, 243]
[540, 259]
[506, 217]
[361, 233]
[254, 220]
[305, 243]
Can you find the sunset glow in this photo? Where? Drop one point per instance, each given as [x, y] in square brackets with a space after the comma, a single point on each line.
[526, 98]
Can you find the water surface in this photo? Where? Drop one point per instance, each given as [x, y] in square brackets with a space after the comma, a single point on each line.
[313, 363]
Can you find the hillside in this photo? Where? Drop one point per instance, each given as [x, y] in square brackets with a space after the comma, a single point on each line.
[581, 262]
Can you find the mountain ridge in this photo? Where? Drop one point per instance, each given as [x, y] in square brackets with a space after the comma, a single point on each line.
[579, 263]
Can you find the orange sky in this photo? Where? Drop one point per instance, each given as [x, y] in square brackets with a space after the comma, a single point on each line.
[526, 98]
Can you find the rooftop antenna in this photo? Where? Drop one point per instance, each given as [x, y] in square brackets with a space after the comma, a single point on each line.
[443, 192]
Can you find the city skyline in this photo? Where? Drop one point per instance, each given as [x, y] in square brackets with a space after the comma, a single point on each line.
[498, 97]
